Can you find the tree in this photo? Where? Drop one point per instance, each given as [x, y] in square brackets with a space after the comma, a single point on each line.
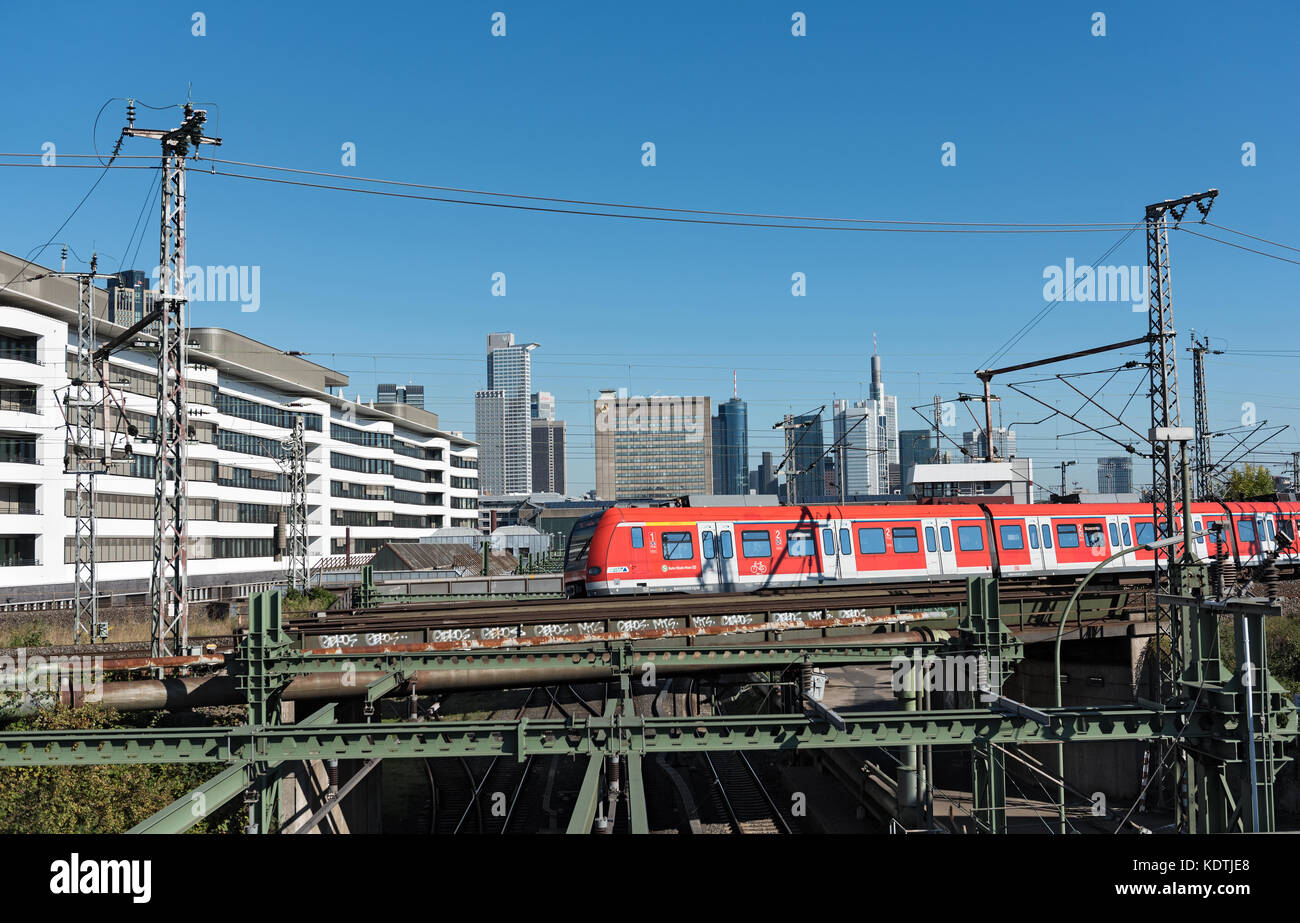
[1248, 481]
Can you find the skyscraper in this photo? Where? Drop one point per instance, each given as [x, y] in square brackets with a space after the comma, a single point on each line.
[731, 447]
[548, 456]
[915, 447]
[411, 395]
[503, 431]
[1115, 475]
[977, 447]
[858, 434]
[542, 405]
[652, 447]
[804, 467]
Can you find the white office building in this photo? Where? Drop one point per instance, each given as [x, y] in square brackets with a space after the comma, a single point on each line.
[375, 472]
[502, 412]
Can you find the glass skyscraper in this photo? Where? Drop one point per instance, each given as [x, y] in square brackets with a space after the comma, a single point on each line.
[502, 415]
[731, 448]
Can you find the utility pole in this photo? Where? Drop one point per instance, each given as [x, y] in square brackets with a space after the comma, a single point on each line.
[1166, 429]
[1295, 472]
[1201, 461]
[168, 591]
[1063, 465]
[294, 461]
[938, 429]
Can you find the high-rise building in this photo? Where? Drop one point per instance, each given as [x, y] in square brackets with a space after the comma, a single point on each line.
[805, 467]
[542, 405]
[129, 297]
[731, 447]
[915, 447]
[652, 447]
[503, 431]
[548, 456]
[886, 410]
[411, 395]
[858, 436]
[977, 447]
[1115, 475]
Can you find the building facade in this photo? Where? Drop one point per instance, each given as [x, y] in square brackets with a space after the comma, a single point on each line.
[548, 456]
[977, 446]
[652, 447]
[731, 448]
[1115, 475]
[412, 395]
[503, 431]
[375, 473]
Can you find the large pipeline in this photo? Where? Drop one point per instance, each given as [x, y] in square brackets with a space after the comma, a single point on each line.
[188, 692]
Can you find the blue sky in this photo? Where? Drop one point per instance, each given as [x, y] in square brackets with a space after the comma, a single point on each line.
[1050, 123]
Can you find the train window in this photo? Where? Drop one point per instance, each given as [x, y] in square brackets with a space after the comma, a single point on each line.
[756, 544]
[1033, 535]
[1128, 536]
[638, 537]
[828, 541]
[1012, 538]
[1144, 532]
[1114, 534]
[727, 549]
[871, 541]
[945, 536]
[678, 546]
[905, 541]
[1246, 530]
[1047, 536]
[1093, 535]
[1196, 527]
[801, 544]
[1271, 533]
[1067, 536]
[846, 543]
[970, 538]
[706, 545]
[929, 538]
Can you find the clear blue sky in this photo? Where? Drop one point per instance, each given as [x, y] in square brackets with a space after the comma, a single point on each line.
[1051, 124]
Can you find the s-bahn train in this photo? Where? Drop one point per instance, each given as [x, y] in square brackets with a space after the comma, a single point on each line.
[745, 548]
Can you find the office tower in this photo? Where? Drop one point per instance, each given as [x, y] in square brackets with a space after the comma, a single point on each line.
[731, 448]
[542, 405]
[652, 447]
[503, 431]
[548, 456]
[1115, 475]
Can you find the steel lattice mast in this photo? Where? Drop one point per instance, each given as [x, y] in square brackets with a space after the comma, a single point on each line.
[168, 592]
[1201, 460]
[295, 464]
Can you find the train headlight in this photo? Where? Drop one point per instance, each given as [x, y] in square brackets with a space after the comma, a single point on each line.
[593, 571]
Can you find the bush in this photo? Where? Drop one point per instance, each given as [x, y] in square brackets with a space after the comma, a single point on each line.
[32, 635]
[316, 598]
[98, 799]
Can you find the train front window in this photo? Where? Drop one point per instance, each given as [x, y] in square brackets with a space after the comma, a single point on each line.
[638, 537]
[678, 546]
[579, 540]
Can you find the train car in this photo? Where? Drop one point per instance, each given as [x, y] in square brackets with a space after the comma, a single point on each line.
[625, 550]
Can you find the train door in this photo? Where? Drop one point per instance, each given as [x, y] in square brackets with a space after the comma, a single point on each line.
[835, 545]
[972, 553]
[945, 554]
[718, 556]
[1249, 540]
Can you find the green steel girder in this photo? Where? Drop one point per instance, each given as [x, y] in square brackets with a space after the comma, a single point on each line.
[638, 818]
[617, 734]
[584, 808]
[604, 655]
[181, 814]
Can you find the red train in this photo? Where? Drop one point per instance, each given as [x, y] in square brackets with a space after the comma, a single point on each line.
[729, 549]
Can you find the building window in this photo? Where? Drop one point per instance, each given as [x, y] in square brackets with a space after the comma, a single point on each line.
[677, 546]
[18, 449]
[756, 543]
[20, 348]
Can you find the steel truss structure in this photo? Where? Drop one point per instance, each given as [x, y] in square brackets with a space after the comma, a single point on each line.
[1225, 722]
[168, 592]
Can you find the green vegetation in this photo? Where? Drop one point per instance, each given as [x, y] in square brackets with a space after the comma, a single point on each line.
[1282, 643]
[32, 635]
[1248, 481]
[313, 600]
[98, 799]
